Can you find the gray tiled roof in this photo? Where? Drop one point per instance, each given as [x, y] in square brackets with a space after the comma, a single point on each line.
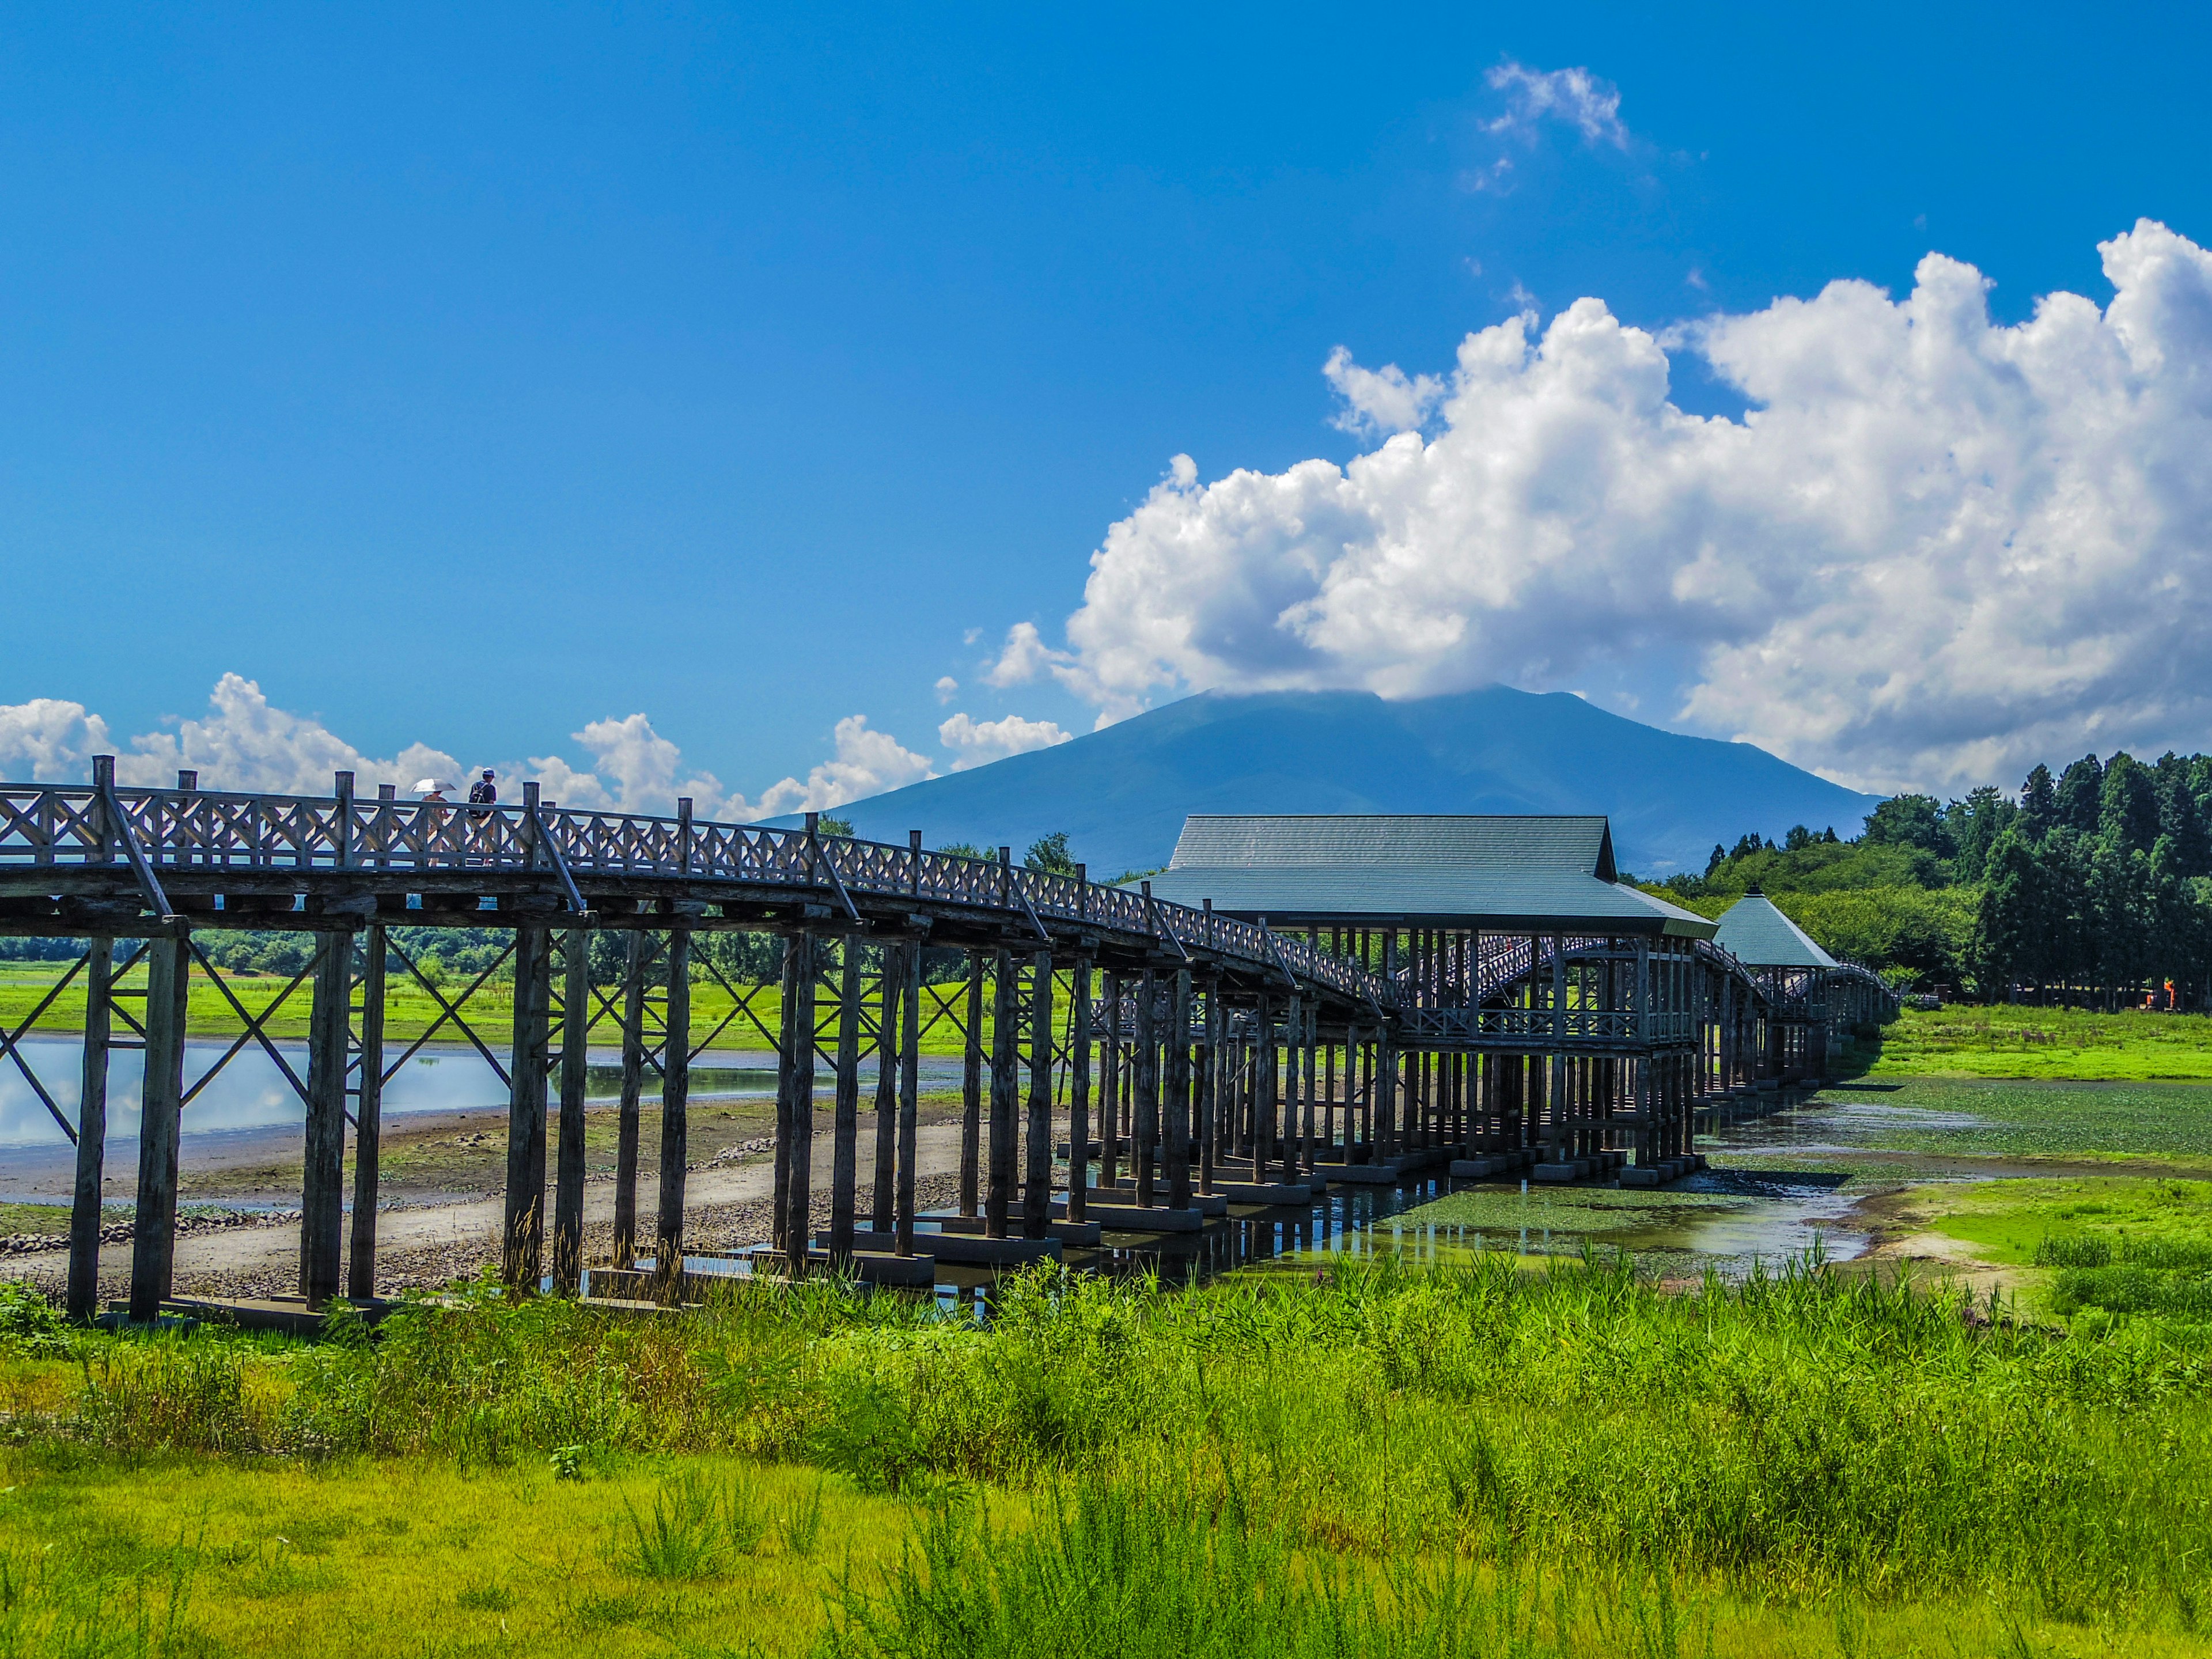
[1543, 873]
[1761, 936]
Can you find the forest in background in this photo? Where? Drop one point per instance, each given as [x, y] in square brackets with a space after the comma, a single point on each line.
[2092, 886]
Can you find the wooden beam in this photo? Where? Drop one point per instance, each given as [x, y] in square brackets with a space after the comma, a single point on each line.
[368, 1119]
[522, 1256]
[633, 1091]
[575, 1060]
[845, 1143]
[154, 1232]
[91, 1132]
[1078, 1093]
[1005, 1017]
[675, 1103]
[1036, 1173]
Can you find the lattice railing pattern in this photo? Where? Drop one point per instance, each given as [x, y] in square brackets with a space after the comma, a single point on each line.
[205, 830]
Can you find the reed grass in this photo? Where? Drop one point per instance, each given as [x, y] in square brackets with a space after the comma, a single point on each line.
[1801, 1438]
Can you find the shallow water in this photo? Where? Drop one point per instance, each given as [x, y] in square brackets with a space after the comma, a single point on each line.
[250, 1092]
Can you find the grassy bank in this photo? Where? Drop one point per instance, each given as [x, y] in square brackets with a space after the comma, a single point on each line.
[411, 1011]
[2017, 1041]
[1539, 1455]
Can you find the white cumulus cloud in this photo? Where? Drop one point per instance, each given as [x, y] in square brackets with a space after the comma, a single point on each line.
[1936, 549]
[978, 743]
[1380, 400]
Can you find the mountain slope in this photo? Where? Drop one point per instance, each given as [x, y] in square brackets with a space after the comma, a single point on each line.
[1122, 794]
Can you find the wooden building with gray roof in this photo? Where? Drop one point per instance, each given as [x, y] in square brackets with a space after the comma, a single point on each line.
[1549, 1017]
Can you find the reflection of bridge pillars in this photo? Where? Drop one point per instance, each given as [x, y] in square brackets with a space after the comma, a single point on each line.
[154, 1242]
[568, 1160]
[971, 1088]
[675, 1100]
[524, 1235]
[369, 1118]
[322, 1188]
[632, 1091]
[1005, 1020]
[91, 1132]
[1036, 1170]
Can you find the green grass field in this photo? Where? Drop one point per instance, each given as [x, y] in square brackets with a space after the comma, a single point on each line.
[2016, 1041]
[1490, 1462]
[410, 1010]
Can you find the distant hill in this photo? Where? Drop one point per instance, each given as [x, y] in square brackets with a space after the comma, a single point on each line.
[1121, 794]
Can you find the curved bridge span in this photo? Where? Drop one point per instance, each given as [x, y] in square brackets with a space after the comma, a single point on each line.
[1192, 1059]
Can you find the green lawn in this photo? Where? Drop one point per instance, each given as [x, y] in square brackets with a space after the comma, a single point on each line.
[2015, 1041]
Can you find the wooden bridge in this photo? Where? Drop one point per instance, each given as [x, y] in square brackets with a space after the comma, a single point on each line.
[1198, 1059]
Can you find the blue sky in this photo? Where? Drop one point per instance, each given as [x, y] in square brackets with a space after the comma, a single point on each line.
[462, 381]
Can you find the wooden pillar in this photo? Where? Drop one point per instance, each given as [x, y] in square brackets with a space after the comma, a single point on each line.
[845, 1147]
[1037, 1169]
[368, 1119]
[1144, 1129]
[797, 1230]
[91, 1131]
[1178, 1094]
[1006, 1019]
[153, 1235]
[523, 1244]
[909, 957]
[568, 1156]
[971, 1088]
[885, 1199]
[1109, 1082]
[1263, 1089]
[1212, 1078]
[322, 1182]
[1310, 1044]
[632, 1091]
[674, 1125]
[1079, 1093]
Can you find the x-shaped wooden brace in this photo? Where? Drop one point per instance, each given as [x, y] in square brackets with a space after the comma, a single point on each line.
[255, 1025]
[9, 1039]
[739, 1004]
[451, 1011]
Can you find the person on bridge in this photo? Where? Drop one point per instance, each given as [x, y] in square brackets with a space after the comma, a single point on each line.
[483, 792]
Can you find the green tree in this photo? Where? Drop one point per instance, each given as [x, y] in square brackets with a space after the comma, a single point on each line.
[1910, 821]
[1050, 854]
[2180, 819]
[2010, 920]
[2127, 811]
[2039, 803]
[1975, 824]
[2080, 796]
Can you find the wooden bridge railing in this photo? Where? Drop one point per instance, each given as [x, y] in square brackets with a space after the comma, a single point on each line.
[44, 827]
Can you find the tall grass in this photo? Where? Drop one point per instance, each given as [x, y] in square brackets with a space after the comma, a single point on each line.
[1801, 1432]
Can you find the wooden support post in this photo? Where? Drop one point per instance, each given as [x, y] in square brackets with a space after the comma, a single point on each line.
[91, 1132]
[524, 1241]
[1145, 1129]
[568, 1156]
[883, 1202]
[797, 1221]
[1037, 1172]
[154, 1234]
[1005, 1017]
[1078, 1093]
[1294, 1034]
[1110, 1082]
[909, 957]
[1263, 1090]
[368, 1118]
[845, 1145]
[633, 1092]
[675, 1124]
[1177, 1150]
[971, 1091]
[1210, 1080]
[1310, 1042]
[322, 1186]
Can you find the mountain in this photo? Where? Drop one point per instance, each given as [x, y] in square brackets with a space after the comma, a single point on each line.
[1122, 794]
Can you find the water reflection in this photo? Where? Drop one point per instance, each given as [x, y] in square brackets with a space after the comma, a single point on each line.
[251, 1092]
